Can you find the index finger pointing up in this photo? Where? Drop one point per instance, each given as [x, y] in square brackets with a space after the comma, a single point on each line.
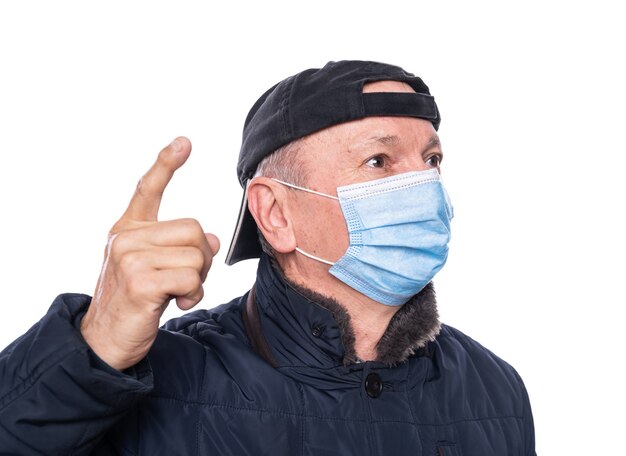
[144, 205]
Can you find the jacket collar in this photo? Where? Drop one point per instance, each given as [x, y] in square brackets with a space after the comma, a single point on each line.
[305, 328]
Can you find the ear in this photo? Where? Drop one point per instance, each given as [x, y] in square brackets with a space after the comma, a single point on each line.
[268, 204]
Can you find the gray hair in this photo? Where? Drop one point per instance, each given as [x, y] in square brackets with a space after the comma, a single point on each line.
[283, 164]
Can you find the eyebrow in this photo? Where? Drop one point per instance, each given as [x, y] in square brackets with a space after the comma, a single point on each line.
[434, 141]
[388, 140]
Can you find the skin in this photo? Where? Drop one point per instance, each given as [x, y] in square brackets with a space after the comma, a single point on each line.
[148, 262]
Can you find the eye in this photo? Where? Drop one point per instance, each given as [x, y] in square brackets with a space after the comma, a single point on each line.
[434, 161]
[377, 161]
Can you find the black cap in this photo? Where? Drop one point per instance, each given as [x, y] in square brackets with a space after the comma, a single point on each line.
[310, 101]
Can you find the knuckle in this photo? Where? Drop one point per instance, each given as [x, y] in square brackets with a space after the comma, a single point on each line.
[145, 188]
[117, 244]
[207, 266]
[191, 225]
[197, 295]
[197, 258]
[136, 285]
[130, 261]
[164, 157]
[192, 280]
[200, 293]
[115, 229]
[141, 186]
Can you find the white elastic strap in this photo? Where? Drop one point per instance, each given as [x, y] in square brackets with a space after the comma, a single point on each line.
[313, 257]
[306, 190]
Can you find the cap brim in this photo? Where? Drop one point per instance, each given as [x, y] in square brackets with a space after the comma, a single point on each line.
[245, 243]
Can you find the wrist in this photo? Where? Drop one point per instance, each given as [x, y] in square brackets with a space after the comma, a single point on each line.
[101, 344]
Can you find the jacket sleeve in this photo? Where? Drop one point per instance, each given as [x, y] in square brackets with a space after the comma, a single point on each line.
[529, 425]
[56, 396]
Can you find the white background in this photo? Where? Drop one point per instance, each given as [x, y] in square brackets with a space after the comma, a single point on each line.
[532, 99]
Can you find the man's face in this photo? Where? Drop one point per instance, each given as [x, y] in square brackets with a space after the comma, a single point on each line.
[353, 152]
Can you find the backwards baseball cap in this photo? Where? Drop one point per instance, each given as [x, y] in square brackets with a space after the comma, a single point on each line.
[310, 101]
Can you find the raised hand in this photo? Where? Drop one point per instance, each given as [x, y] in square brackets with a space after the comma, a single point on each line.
[146, 264]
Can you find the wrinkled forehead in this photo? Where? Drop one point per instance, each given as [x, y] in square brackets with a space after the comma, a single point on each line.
[396, 133]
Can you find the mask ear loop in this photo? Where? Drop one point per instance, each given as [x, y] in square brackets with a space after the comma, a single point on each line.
[305, 189]
[313, 257]
[298, 249]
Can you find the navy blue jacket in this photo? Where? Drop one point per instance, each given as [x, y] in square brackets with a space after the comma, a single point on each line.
[203, 389]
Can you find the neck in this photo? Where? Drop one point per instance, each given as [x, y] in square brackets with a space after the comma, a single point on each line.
[360, 331]
[366, 320]
[369, 322]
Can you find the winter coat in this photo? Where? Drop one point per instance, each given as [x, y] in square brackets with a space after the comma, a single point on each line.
[271, 373]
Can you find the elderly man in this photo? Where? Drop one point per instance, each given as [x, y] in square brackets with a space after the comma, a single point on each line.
[337, 348]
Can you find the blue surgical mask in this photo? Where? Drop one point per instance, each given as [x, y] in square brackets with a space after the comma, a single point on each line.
[399, 229]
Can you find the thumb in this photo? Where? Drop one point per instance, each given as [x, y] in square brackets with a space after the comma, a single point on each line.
[214, 243]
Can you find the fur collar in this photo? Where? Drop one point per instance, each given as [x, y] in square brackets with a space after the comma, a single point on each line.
[414, 325]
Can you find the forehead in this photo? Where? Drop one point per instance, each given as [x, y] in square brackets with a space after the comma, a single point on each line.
[397, 131]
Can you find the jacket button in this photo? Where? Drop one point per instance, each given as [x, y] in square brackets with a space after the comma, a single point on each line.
[373, 385]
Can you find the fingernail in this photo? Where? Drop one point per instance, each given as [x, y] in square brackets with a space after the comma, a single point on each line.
[175, 145]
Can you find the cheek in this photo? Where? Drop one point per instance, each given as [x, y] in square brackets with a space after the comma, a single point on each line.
[323, 229]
